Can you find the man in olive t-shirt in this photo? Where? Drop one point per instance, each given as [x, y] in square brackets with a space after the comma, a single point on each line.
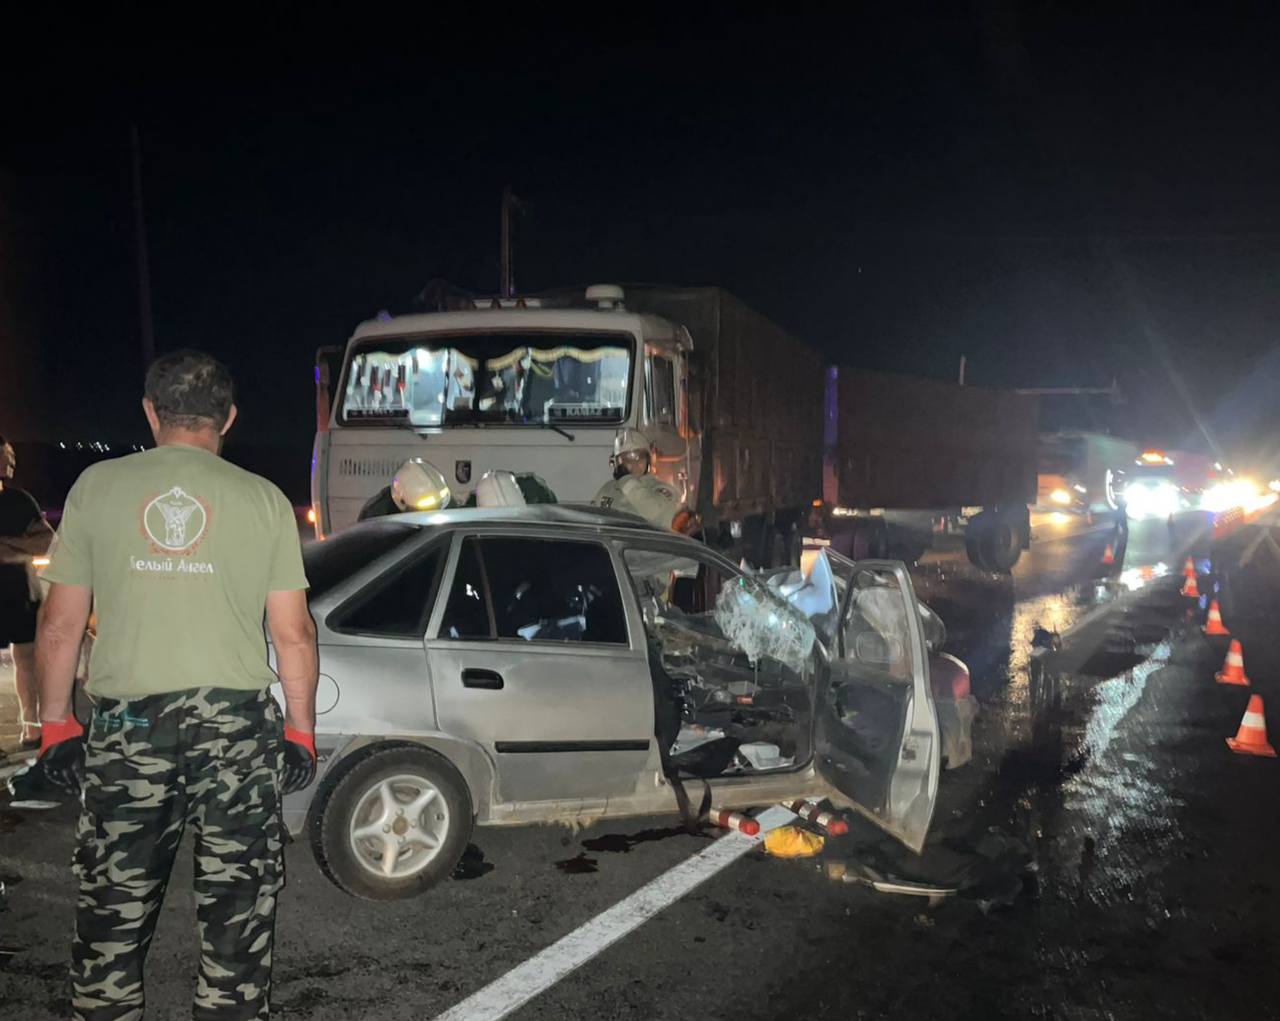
[181, 553]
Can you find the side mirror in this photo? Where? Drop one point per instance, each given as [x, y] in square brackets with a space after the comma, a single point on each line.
[693, 388]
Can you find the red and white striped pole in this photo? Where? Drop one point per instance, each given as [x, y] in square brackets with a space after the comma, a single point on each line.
[727, 820]
[829, 821]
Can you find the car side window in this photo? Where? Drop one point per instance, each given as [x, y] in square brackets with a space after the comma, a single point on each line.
[397, 604]
[535, 590]
[676, 588]
[468, 614]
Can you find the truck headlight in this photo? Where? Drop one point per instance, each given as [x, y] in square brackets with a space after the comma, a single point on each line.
[1060, 496]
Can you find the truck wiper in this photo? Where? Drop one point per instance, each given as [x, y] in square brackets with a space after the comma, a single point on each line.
[563, 432]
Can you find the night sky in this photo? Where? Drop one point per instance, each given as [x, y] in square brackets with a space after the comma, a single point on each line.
[1063, 199]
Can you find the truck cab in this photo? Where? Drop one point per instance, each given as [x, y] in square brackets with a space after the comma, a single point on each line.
[522, 384]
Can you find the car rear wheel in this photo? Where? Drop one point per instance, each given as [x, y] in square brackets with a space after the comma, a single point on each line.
[394, 825]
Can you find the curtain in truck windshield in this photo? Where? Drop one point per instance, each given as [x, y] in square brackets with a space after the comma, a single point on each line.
[500, 378]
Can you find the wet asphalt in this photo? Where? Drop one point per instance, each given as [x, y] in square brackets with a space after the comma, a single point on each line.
[1112, 859]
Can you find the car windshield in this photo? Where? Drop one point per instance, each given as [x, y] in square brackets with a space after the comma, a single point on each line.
[508, 378]
[332, 561]
[702, 599]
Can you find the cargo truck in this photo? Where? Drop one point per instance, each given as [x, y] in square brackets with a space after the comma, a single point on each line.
[737, 409]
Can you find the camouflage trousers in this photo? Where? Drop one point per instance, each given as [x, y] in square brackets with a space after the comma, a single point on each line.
[208, 757]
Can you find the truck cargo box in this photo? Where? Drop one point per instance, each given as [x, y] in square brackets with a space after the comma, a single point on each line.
[759, 396]
[911, 443]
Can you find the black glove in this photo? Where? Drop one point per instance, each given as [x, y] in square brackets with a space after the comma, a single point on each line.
[299, 760]
[62, 754]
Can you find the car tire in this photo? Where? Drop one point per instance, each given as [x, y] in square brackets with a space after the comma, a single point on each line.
[364, 835]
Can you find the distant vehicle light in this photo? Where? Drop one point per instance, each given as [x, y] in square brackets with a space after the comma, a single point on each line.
[1060, 496]
[39, 562]
[1274, 485]
[1154, 457]
[1080, 489]
[1238, 492]
[1059, 518]
[1152, 500]
[311, 515]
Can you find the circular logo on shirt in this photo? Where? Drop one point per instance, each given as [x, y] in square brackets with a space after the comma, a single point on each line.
[175, 520]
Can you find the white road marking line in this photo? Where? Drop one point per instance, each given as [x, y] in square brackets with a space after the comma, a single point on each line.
[520, 985]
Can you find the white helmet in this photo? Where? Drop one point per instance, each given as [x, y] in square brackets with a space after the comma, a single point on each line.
[499, 489]
[630, 441]
[418, 485]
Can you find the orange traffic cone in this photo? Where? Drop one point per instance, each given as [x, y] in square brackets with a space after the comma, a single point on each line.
[1232, 671]
[1190, 588]
[1109, 555]
[1214, 625]
[1251, 738]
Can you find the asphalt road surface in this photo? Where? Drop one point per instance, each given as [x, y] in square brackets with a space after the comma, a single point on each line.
[1112, 859]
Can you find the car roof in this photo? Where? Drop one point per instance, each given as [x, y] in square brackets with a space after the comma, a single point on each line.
[583, 515]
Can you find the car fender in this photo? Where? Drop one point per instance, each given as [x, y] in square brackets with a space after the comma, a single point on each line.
[469, 759]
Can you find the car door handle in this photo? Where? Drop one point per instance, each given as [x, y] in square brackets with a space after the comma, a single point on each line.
[488, 679]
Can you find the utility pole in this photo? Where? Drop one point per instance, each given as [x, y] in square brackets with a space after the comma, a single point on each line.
[510, 203]
[140, 252]
[964, 361]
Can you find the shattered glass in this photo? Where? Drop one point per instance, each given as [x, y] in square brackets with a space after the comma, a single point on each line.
[760, 626]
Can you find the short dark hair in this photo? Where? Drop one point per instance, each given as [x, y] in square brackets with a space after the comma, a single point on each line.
[190, 390]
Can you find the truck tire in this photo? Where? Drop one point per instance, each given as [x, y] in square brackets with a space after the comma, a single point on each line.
[993, 542]
[870, 540]
[907, 545]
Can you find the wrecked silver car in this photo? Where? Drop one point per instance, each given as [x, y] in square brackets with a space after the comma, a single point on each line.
[551, 664]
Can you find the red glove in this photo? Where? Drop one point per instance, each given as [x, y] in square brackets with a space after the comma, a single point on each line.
[299, 759]
[54, 732]
[62, 753]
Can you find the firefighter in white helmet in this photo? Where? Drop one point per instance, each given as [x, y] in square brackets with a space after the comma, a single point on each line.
[637, 491]
[418, 486]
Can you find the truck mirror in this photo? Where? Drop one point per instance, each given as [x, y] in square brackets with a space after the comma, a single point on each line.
[693, 387]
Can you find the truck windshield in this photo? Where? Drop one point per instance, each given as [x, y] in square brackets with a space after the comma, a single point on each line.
[507, 378]
[1060, 456]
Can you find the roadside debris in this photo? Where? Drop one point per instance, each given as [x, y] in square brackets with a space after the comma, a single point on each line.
[860, 873]
[793, 842]
[990, 868]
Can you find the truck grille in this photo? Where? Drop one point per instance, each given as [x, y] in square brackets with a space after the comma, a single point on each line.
[369, 467]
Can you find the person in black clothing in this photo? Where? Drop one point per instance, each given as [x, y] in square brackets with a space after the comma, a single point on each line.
[24, 533]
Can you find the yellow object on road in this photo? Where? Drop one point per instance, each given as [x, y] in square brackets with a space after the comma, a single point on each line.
[792, 842]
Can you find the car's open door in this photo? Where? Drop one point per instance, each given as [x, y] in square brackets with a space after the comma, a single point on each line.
[876, 737]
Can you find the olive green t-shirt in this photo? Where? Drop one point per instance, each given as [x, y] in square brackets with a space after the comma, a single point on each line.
[180, 548]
